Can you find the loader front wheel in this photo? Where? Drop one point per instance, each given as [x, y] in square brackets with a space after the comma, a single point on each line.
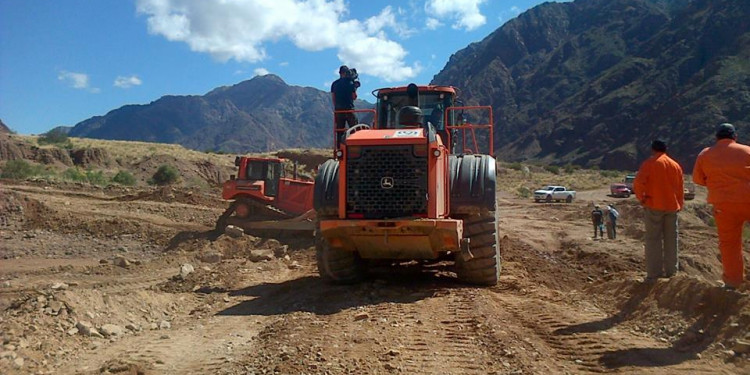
[483, 266]
[338, 266]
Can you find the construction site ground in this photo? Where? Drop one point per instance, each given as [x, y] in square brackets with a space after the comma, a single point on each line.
[131, 281]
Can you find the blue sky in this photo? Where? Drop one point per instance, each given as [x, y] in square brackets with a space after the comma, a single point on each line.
[62, 62]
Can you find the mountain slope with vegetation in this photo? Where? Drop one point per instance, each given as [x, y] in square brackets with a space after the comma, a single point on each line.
[592, 82]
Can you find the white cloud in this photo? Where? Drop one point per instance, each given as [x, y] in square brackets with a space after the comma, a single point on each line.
[284, 63]
[432, 23]
[127, 82]
[260, 71]
[386, 19]
[79, 81]
[239, 29]
[465, 13]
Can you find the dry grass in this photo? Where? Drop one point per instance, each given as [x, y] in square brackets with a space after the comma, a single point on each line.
[130, 152]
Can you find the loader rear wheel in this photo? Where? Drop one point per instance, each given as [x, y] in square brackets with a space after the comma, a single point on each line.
[484, 267]
[338, 266]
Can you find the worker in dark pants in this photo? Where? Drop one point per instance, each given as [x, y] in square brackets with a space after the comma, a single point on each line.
[344, 91]
[659, 187]
[597, 218]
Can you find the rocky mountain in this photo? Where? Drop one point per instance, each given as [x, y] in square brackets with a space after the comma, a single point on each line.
[592, 82]
[4, 128]
[257, 115]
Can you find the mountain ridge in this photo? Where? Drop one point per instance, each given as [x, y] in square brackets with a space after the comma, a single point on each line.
[592, 82]
[256, 115]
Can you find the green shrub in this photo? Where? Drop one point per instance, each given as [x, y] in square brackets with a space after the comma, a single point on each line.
[55, 137]
[524, 192]
[20, 169]
[124, 178]
[610, 174]
[165, 175]
[552, 168]
[96, 177]
[74, 174]
[570, 168]
[516, 166]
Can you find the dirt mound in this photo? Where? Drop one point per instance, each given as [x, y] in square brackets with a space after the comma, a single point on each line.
[308, 159]
[205, 279]
[12, 148]
[201, 173]
[91, 157]
[170, 194]
[12, 207]
[52, 156]
[691, 313]
[118, 366]
[19, 211]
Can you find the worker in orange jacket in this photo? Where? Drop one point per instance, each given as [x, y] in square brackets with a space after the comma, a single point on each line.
[724, 169]
[658, 186]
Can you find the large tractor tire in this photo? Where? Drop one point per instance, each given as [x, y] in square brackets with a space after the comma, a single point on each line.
[484, 265]
[338, 266]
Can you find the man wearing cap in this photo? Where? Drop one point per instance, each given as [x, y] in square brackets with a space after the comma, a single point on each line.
[658, 186]
[344, 91]
[724, 169]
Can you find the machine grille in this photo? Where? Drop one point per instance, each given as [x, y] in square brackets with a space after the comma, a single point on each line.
[386, 182]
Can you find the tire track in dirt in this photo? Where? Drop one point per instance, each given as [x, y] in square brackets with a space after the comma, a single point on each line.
[436, 331]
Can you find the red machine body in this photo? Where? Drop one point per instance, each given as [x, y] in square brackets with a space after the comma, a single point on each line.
[262, 195]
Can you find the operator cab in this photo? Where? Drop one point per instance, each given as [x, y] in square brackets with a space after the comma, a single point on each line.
[430, 100]
[269, 171]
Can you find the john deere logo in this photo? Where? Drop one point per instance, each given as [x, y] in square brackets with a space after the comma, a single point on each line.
[386, 182]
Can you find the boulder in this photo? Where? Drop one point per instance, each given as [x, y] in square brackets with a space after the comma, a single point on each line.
[86, 329]
[185, 270]
[212, 257]
[120, 261]
[741, 346]
[260, 255]
[110, 330]
[233, 231]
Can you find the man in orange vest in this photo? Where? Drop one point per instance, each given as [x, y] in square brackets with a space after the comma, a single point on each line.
[658, 186]
[724, 169]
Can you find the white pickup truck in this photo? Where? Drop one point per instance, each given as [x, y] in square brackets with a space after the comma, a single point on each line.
[554, 193]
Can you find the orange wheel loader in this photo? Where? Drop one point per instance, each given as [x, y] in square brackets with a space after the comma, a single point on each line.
[418, 183]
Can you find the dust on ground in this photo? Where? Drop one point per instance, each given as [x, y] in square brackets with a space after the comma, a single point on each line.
[132, 281]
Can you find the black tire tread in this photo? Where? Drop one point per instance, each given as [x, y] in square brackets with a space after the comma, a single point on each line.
[337, 266]
[484, 268]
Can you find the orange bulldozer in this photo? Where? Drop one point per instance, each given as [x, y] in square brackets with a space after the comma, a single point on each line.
[266, 202]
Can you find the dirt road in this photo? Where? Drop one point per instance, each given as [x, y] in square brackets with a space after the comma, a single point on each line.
[89, 283]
